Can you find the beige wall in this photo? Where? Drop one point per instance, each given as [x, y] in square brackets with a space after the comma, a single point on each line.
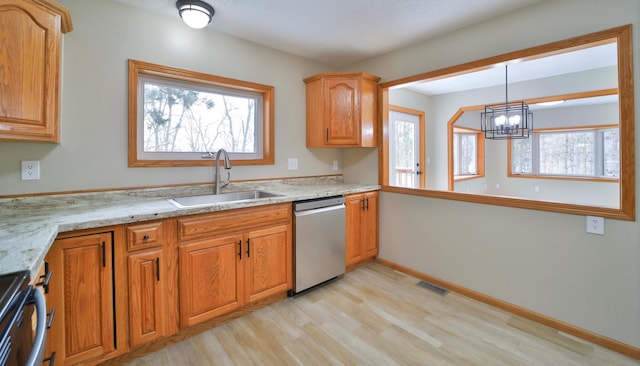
[542, 261]
[92, 153]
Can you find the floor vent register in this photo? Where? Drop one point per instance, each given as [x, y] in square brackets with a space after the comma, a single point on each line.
[433, 288]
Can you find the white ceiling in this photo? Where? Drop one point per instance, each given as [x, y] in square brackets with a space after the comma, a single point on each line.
[564, 63]
[341, 32]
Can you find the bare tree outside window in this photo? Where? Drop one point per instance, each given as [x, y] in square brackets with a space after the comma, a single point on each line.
[567, 153]
[465, 153]
[578, 153]
[186, 120]
[611, 153]
[521, 156]
[405, 145]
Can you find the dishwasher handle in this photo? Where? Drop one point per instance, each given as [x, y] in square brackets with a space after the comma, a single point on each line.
[319, 210]
[318, 203]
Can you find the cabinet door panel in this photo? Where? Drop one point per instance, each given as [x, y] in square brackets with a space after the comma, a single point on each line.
[344, 111]
[30, 54]
[370, 225]
[354, 206]
[83, 295]
[209, 279]
[146, 297]
[268, 265]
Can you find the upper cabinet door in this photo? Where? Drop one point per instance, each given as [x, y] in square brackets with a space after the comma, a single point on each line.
[342, 110]
[30, 39]
[342, 125]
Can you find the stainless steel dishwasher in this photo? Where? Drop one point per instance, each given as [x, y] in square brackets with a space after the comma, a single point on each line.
[320, 236]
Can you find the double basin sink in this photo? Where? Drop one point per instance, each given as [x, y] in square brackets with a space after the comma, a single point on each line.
[210, 199]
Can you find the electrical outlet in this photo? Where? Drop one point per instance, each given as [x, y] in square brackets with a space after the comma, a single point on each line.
[292, 164]
[336, 165]
[30, 170]
[595, 225]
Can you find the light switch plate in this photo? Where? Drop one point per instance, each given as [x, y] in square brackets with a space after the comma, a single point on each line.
[292, 164]
[30, 170]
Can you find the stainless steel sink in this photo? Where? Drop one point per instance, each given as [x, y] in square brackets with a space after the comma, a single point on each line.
[210, 199]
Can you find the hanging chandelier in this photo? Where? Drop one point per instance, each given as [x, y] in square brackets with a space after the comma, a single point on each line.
[511, 120]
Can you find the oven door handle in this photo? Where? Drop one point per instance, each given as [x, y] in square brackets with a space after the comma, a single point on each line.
[37, 350]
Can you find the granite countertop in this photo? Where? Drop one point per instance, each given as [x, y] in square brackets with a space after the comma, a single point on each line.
[29, 225]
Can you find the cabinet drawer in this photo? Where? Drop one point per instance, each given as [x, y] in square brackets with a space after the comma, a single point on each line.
[232, 221]
[146, 235]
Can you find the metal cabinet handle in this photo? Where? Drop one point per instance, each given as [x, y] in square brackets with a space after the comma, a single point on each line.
[145, 237]
[51, 315]
[240, 249]
[51, 359]
[158, 269]
[47, 277]
[248, 248]
[104, 254]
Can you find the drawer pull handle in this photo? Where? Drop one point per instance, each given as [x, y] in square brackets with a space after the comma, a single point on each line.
[145, 237]
[104, 254]
[46, 277]
[248, 248]
[51, 315]
[51, 359]
[158, 269]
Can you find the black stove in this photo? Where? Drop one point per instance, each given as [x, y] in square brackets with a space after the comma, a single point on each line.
[10, 285]
[16, 299]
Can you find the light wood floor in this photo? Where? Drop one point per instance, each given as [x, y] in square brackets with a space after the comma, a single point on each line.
[377, 316]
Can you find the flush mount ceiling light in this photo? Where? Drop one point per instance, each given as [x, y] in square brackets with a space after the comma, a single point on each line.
[197, 14]
[511, 120]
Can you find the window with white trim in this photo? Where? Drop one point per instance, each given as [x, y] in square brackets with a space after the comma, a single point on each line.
[465, 153]
[182, 116]
[575, 153]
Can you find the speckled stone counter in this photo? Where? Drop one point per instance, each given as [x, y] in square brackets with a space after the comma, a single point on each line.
[29, 225]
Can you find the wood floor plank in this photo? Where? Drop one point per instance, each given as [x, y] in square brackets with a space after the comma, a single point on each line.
[375, 315]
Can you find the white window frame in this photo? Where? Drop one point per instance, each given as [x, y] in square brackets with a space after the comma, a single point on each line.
[598, 152]
[142, 72]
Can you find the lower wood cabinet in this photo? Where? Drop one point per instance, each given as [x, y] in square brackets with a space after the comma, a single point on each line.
[362, 227]
[249, 260]
[81, 291]
[210, 278]
[147, 282]
[268, 265]
[119, 288]
[147, 297]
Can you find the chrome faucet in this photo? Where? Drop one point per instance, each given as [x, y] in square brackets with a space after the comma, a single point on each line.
[227, 167]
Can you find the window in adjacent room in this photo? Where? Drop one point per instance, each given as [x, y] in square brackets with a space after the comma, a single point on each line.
[468, 154]
[179, 117]
[592, 152]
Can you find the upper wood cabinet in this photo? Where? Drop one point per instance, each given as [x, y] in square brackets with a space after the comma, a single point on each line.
[30, 48]
[342, 110]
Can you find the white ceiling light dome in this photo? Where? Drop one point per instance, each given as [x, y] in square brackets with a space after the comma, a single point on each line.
[195, 13]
